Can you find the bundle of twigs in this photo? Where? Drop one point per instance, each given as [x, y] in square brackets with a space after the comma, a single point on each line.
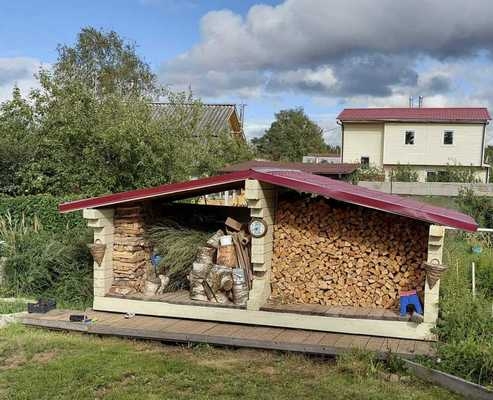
[178, 247]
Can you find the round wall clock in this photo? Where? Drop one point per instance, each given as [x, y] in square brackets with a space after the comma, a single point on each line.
[257, 228]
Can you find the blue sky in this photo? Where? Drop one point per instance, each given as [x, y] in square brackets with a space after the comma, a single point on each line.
[322, 55]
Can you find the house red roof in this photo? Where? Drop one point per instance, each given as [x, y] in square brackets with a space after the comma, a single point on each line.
[291, 179]
[313, 168]
[424, 114]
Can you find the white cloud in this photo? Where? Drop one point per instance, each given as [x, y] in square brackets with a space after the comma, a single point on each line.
[334, 48]
[18, 71]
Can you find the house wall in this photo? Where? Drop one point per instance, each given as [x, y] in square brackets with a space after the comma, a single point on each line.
[384, 144]
[429, 148]
[362, 140]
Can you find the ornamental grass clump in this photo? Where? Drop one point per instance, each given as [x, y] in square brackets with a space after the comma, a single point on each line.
[178, 246]
[40, 263]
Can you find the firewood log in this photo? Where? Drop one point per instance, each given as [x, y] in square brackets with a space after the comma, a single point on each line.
[336, 254]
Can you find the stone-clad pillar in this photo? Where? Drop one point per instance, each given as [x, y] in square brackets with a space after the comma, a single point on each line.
[262, 200]
[431, 296]
[101, 221]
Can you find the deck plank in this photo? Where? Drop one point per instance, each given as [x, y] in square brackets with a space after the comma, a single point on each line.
[292, 336]
[253, 336]
[222, 329]
[375, 344]
[360, 342]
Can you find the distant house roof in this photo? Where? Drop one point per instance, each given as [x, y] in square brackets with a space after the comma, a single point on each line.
[313, 168]
[215, 117]
[424, 114]
[291, 179]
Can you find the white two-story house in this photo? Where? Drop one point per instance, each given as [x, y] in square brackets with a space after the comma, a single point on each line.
[426, 139]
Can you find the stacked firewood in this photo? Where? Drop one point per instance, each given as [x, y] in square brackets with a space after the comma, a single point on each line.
[335, 254]
[130, 253]
[221, 272]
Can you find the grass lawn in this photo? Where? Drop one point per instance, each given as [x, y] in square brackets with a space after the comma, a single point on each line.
[39, 364]
[10, 307]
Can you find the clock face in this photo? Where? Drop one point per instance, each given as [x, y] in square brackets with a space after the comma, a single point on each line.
[257, 228]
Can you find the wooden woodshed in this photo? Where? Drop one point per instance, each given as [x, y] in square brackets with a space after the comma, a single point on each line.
[334, 258]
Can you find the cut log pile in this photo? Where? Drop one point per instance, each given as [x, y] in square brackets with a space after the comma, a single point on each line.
[222, 272]
[130, 252]
[335, 254]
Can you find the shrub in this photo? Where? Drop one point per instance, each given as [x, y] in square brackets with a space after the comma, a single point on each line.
[368, 174]
[479, 207]
[403, 173]
[42, 263]
[454, 173]
[44, 207]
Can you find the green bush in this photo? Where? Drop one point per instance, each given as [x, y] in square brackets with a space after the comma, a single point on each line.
[479, 207]
[373, 174]
[45, 208]
[403, 173]
[454, 173]
[43, 263]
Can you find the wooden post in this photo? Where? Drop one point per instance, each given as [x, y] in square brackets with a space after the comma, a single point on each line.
[262, 200]
[101, 221]
[473, 273]
[435, 252]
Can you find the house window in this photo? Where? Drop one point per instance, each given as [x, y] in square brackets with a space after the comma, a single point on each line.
[409, 137]
[448, 137]
[365, 162]
[431, 176]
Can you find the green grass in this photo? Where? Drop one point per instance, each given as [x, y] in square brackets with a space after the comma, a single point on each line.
[39, 364]
[465, 326]
[10, 307]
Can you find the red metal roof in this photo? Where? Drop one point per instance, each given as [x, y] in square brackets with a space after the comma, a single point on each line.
[424, 114]
[313, 168]
[291, 179]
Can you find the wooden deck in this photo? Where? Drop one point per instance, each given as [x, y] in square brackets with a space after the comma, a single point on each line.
[178, 297]
[225, 334]
[335, 311]
[183, 297]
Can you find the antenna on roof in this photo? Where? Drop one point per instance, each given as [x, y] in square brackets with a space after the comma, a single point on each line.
[411, 102]
[242, 113]
[420, 101]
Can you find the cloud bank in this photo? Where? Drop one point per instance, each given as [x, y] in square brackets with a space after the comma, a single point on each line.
[346, 49]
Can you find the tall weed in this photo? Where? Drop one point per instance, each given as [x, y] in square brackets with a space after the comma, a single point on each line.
[465, 327]
[40, 263]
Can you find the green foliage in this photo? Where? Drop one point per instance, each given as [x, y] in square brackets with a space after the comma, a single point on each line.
[91, 128]
[403, 173]
[360, 364]
[11, 307]
[465, 326]
[373, 174]
[105, 64]
[454, 173]
[479, 207]
[291, 136]
[44, 365]
[178, 246]
[44, 208]
[40, 263]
